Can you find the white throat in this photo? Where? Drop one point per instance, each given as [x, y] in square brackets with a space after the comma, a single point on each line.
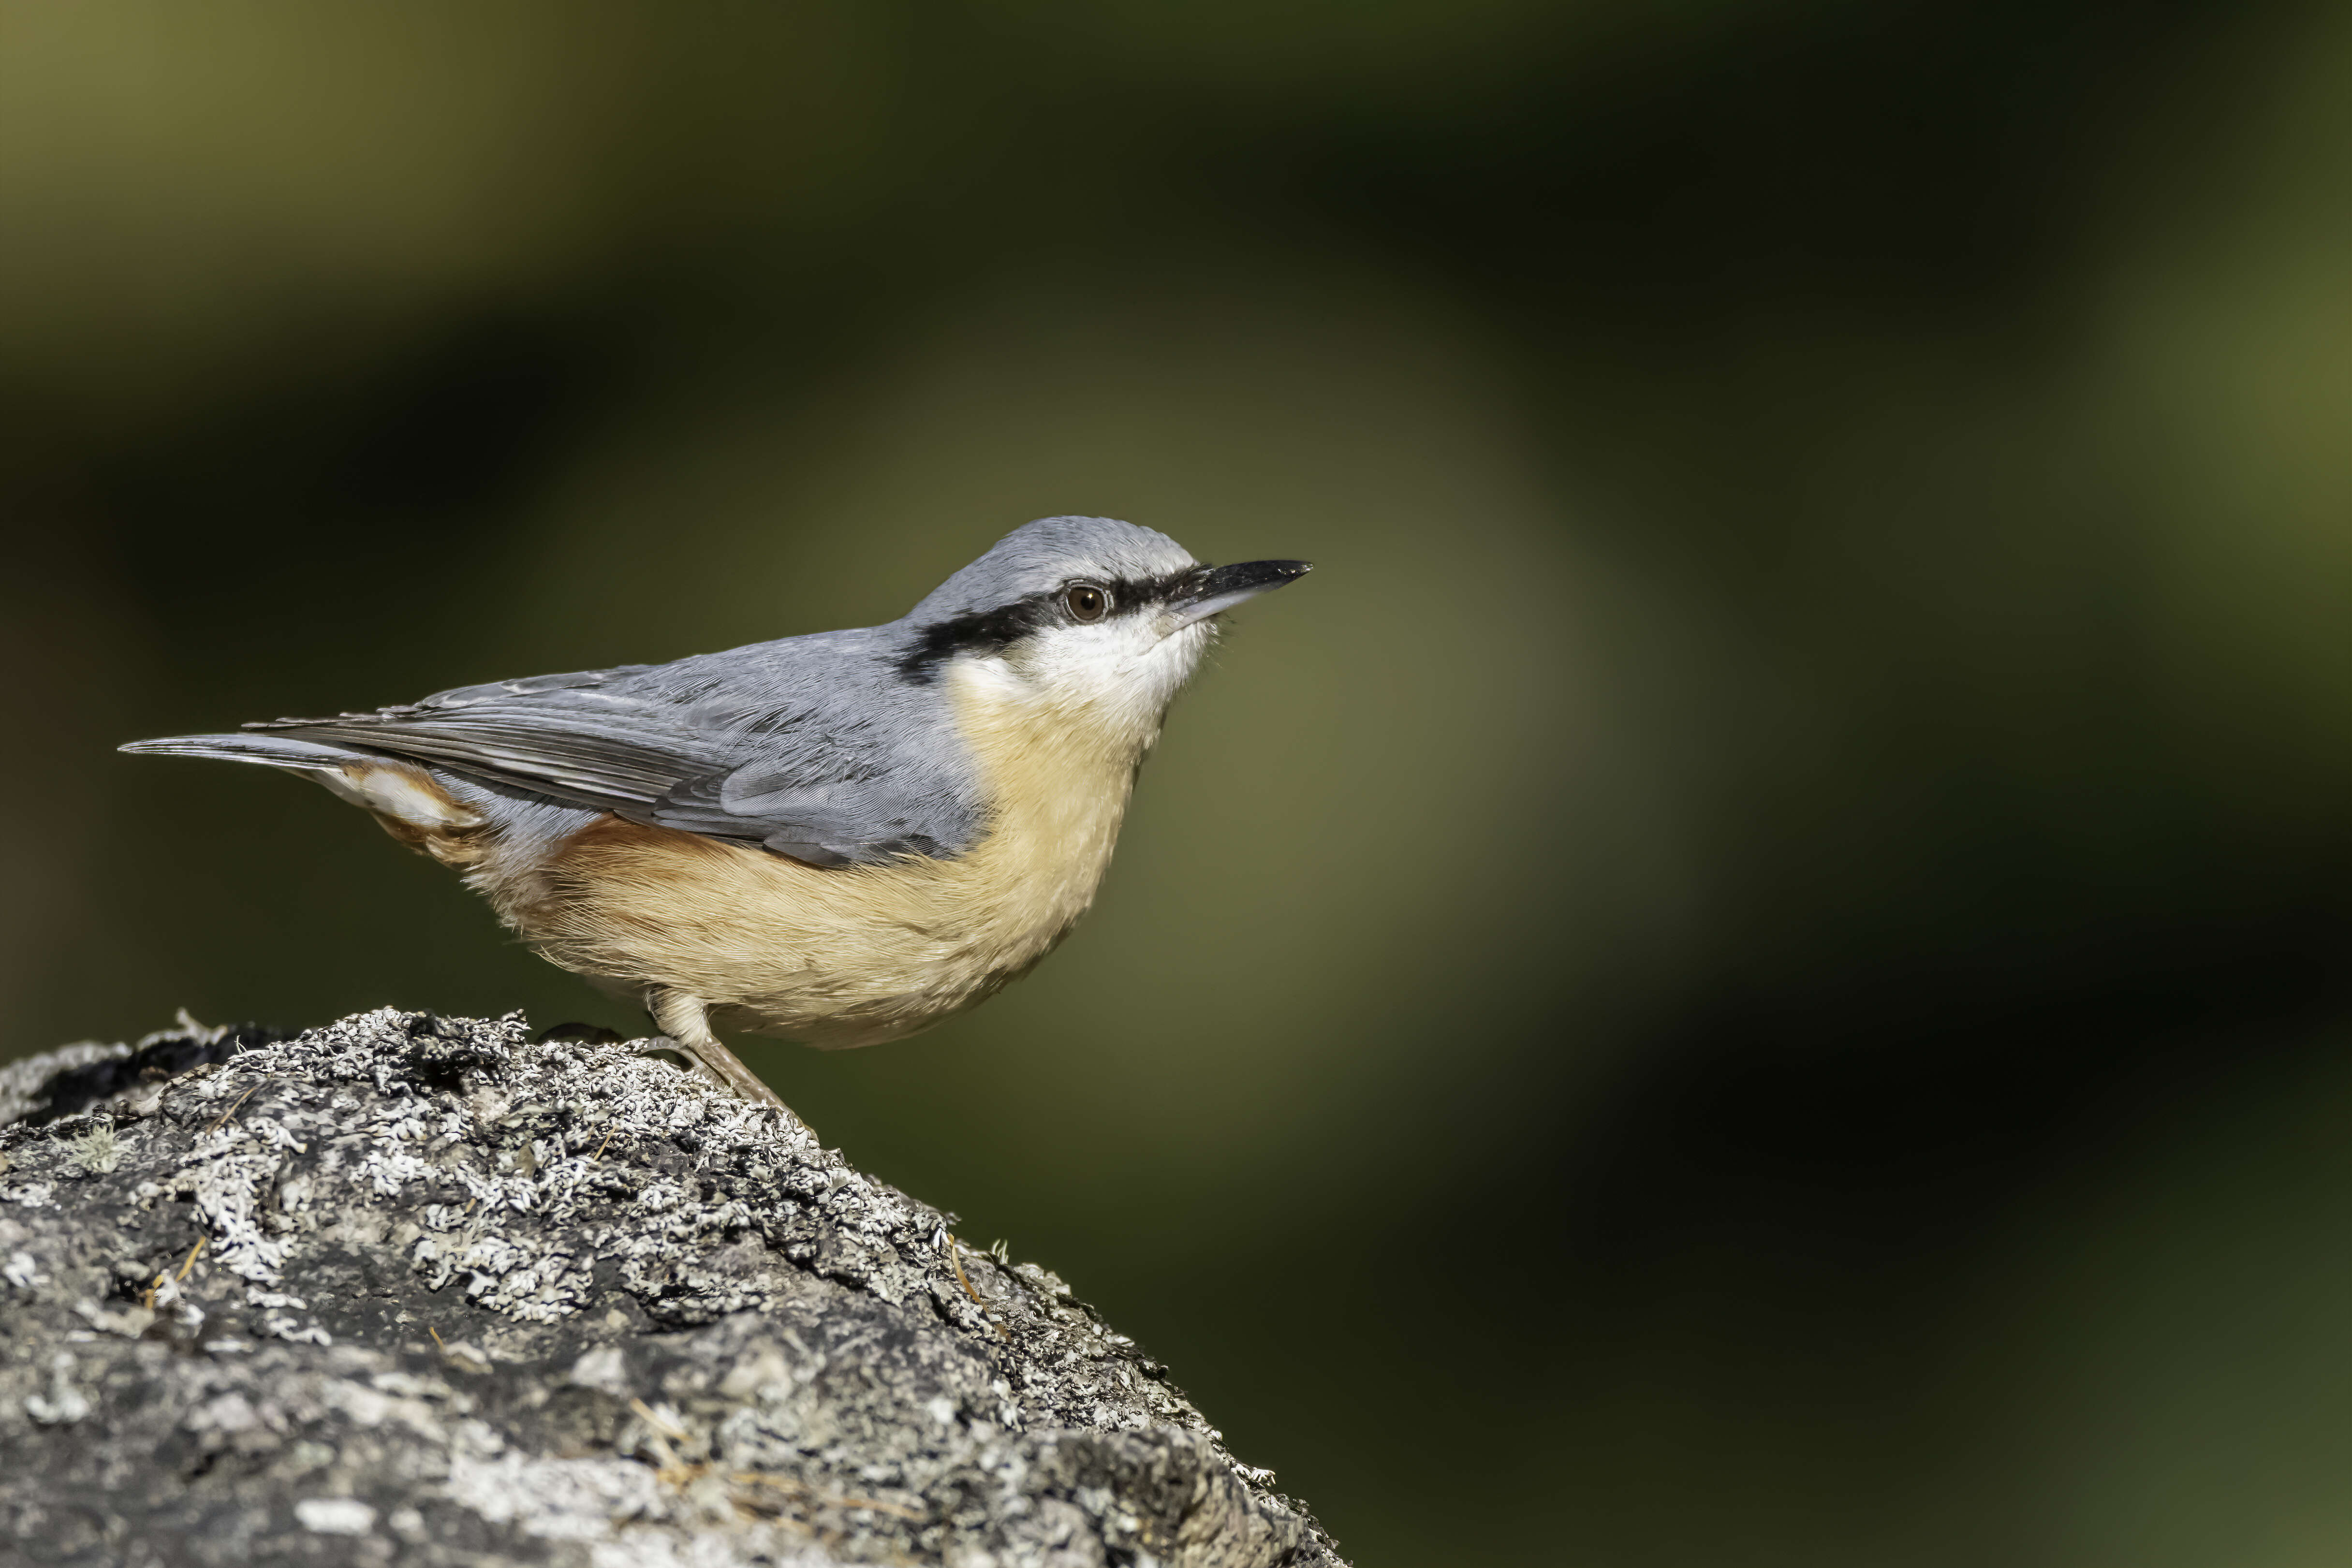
[1099, 692]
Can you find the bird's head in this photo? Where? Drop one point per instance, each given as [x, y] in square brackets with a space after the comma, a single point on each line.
[1087, 624]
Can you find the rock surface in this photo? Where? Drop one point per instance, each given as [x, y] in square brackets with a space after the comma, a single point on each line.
[416, 1290]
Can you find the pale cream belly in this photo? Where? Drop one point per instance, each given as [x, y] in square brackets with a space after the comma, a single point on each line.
[833, 958]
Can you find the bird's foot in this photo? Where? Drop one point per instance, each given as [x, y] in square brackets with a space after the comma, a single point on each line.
[727, 1074]
[677, 1053]
[684, 1020]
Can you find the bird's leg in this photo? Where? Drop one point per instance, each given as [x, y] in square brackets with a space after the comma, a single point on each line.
[685, 1020]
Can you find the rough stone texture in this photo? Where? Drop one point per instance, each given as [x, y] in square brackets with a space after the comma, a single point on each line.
[416, 1290]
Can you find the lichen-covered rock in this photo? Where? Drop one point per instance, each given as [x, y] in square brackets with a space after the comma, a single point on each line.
[417, 1290]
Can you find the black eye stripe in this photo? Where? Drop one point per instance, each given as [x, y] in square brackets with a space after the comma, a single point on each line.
[993, 631]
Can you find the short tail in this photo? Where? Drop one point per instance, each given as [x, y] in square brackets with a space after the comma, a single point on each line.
[271, 750]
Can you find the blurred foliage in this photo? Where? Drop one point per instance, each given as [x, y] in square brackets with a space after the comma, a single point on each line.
[1752, 973]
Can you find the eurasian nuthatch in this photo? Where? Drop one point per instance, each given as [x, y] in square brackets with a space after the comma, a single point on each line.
[840, 838]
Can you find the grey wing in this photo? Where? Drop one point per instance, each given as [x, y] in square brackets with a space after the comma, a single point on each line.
[828, 793]
[847, 819]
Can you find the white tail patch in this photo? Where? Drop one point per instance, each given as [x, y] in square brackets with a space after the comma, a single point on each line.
[403, 793]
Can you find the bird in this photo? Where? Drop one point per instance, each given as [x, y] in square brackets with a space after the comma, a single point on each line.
[838, 838]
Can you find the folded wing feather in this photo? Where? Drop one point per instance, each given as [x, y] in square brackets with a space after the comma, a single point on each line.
[825, 794]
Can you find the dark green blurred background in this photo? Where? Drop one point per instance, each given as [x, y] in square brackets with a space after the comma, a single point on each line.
[1752, 973]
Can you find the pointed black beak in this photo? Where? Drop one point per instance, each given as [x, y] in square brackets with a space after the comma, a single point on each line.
[1214, 588]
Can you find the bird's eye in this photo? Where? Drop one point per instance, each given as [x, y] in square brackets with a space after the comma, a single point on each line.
[1086, 601]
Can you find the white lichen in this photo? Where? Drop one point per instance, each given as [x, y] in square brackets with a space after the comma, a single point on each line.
[96, 1151]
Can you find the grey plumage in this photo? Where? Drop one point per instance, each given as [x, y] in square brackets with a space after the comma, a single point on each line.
[829, 748]
[812, 746]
